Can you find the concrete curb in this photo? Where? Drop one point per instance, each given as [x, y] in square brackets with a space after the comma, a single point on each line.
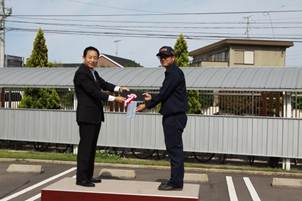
[191, 177]
[8, 159]
[118, 173]
[285, 182]
[22, 168]
[200, 169]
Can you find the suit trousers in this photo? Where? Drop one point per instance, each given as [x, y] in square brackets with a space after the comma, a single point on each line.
[173, 128]
[86, 150]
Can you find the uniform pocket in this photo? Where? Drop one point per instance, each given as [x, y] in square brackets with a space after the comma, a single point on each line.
[180, 121]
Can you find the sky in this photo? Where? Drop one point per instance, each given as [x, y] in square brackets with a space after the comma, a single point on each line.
[136, 29]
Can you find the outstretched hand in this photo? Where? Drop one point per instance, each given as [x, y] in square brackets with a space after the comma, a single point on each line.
[140, 108]
[119, 99]
[147, 96]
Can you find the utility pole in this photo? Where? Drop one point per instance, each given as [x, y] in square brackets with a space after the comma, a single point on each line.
[3, 14]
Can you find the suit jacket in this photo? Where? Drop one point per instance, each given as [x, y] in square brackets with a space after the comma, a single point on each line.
[90, 96]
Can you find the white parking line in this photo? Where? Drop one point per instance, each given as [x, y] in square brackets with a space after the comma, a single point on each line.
[34, 197]
[39, 195]
[37, 185]
[251, 189]
[231, 189]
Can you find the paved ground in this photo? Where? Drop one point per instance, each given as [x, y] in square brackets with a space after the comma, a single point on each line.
[221, 186]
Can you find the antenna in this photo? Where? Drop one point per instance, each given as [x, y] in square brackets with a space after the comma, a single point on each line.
[116, 46]
[247, 30]
[271, 22]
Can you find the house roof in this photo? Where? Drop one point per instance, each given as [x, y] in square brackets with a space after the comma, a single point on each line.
[118, 61]
[245, 42]
[239, 78]
[112, 60]
[122, 61]
[69, 65]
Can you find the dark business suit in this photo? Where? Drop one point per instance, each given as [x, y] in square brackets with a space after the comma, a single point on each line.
[174, 104]
[89, 116]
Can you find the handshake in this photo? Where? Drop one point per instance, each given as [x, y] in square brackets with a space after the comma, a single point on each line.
[131, 97]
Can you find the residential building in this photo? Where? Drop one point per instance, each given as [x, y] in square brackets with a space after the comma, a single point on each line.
[13, 61]
[241, 52]
[106, 60]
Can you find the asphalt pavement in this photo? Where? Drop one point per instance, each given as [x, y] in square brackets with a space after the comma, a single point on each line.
[221, 186]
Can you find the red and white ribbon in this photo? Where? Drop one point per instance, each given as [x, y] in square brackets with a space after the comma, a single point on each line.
[129, 99]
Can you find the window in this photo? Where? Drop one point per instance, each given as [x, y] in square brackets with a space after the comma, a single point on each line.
[238, 56]
[244, 57]
[248, 57]
[221, 56]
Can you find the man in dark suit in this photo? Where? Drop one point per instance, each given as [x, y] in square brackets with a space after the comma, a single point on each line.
[174, 104]
[88, 88]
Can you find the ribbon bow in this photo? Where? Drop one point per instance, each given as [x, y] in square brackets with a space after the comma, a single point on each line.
[129, 99]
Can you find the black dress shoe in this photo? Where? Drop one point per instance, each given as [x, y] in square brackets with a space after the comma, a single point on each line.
[85, 183]
[164, 186]
[164, 182]
[95, 180]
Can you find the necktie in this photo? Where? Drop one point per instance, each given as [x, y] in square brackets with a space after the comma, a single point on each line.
[93, 74]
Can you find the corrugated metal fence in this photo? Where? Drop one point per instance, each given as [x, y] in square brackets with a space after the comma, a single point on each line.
[240, 135]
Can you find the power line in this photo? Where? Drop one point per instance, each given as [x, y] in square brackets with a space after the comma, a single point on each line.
[217, 34]
[158, 29]
[162, 27]
[154, 22]
[139, 35]
[112, 7]
[162, 14]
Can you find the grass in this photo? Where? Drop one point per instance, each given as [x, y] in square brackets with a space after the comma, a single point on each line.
[22, 155]
[101, 157]
[104, 157]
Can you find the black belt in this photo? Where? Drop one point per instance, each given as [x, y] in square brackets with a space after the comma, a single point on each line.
[174, 114]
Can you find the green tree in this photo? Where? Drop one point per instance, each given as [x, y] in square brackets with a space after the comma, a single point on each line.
[194, 102]
[39, 54]
[182, 59]
[39, 98]
[181, 51]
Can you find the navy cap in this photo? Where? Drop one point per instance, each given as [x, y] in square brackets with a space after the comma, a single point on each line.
[165, 51]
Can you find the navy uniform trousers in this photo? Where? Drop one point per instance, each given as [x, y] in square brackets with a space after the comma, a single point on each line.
[173, 126]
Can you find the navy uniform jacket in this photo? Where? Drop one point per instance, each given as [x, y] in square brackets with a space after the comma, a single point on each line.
[90, 96]
[173, 93]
